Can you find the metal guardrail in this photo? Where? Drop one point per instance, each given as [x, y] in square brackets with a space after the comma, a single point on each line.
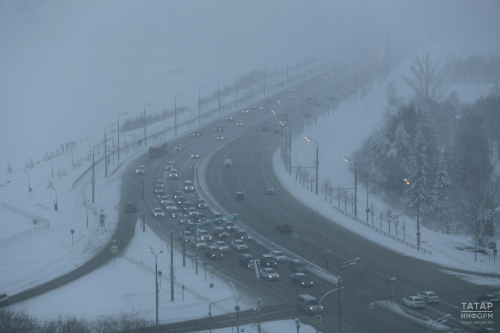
[380, 231]
[414, 313]
[27, 215]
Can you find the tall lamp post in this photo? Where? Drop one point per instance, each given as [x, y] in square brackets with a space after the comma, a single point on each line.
[407, 182]
[105, 151]
[118, 132]
[93, 173]
[218, 88]
[55, 205]
[199, 104]
[317, 158]
[156, 283]
[29, 186]
[144, 119]
[175, 112]
[343, 265]
[348, 159]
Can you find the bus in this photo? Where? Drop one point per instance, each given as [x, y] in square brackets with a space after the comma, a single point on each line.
[157, 151]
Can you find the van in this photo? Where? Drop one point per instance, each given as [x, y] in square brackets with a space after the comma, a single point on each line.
[228, 162]
[267, 261]
[295, 265]
[188, 186]
[309, 304]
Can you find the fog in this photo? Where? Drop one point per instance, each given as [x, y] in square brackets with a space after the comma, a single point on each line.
[68, 68]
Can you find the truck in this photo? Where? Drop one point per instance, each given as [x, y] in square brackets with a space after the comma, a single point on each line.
[157, 151]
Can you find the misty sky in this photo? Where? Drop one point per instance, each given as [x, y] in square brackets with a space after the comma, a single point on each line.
[69, 67]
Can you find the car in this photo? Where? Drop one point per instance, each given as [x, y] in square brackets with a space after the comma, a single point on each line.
[219, 137]
[173, 174]
[163, 200]
[266, 260]
[188, 186]
[413, 302]
[219, 128]
[221, 245]
[253, 107]
[169, 166]
[186, 205]
[246, 260]
[197, 134]
[213, 252]
[262, 109]
[179, 147]
[239, 196]
[160, 193]
[229, 118]
[190, 226]
[175, 213]
[158, 212]
[293, 89]
[198, 243]
[191, 211]
[489, 298]
[428, 297]
[269, 274]
[180, 200]
[245, 111]
[4, 299]
[228, 162]
[266, 128]
[203, 234]
[140, 170]
[201, 204]
[239, 245]
[170, 206]
[159, 183]
[284, 228]
[186, 236]
[229, 225]
[278, 256]
[298, 266]
[239, 123]
[309, 304]
[301, 279]
[177, 194]
[195, 155]
[220, 233]
[291, 96]
[200, 217]
[269, 190]
[130, 207]
[242, 234]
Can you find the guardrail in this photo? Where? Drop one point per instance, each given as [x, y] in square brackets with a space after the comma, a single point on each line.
[27, 215]
[380, 231]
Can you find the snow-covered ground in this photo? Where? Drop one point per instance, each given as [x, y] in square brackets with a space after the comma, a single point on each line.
[128, 284]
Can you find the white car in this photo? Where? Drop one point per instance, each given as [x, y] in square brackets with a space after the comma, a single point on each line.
[200, 243]
[428, 297]
[239, 123]
[245, 111]
[164, 200]
[220, 137]
[229, 118]
[140, 170]
[170, 166]
[173, 174]
[239, 245]
[158, 212]
[203, 234]
[195, 155]
[269, 274]
[222, 246]
[278, 256]
[413, 302]
[269, 190]
[228, 162]
[179, 147]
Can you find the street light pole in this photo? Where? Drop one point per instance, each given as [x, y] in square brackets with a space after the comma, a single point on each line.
[156, 283]
[199, 104]
[29, 186]
[343, 265]
[105, 151]
[118, 132]
[144, 118]
[317, 160]
[218, 88]
[93, 164]
[175, 112]
[347, 159]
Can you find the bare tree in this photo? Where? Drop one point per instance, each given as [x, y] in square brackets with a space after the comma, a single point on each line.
[325, 187]
[297, 172]
[426, 82]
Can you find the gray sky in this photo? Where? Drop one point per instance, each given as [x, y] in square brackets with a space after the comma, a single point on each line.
[69, 67]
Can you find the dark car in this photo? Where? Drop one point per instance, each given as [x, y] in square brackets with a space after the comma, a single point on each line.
[160, 193]
[200, 203]
[220, 233]
[130, 207]
[489, 298]
[213, 252]
[179, 200]
[246, 260]
[239, 196]
[301, 279]
[296, 265]
[177, 193]
[284, 228]
[197, 134]
[242, 234]
[266, 260]
[219, 128]
[229, 225]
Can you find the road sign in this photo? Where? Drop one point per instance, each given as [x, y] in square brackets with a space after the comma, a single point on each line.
[114, 249]
[102, 216]
[237, 308]
[492, 245]
[205, 263]
[211, 270]
[72, 231]
[102, 221]
[317, 318]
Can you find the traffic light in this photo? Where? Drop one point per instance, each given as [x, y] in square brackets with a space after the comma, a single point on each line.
[235, 218]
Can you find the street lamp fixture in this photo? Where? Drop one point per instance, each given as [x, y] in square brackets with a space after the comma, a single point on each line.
[317, 159]
[118, 132]
[144, 119]
[175, 111]
[156, 283]
[343, 265]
